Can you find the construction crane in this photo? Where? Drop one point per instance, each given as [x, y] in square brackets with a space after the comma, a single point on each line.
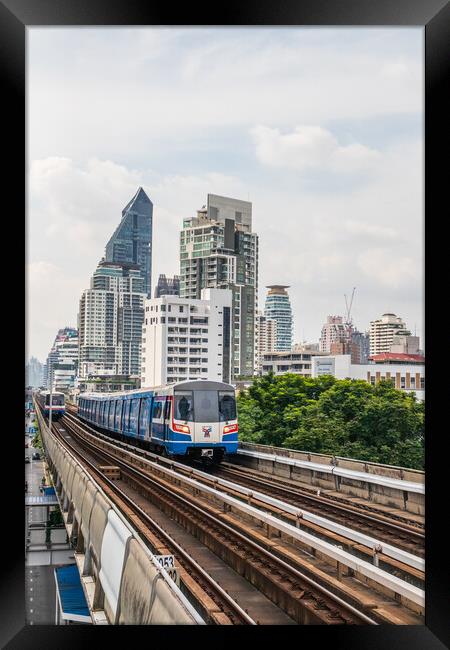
[348, 306]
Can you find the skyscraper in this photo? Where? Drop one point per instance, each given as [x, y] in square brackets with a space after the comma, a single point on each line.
[110, 321]
[132, 240]
[218, 250]
[278, 308]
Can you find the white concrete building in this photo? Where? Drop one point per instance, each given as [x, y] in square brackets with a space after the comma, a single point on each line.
[187, 338]
[406, 371]
[383, 330]
[279, 363]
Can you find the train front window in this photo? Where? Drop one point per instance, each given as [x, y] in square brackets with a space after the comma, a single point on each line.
[227, 406]
[57, 400]
[205, 406]
[184, 406]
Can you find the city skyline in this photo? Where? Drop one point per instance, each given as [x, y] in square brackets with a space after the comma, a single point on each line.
[344, 178]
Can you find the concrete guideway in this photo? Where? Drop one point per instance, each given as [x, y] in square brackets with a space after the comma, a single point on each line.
[343, 557]
[396, 484]
[387, 549]
[362, 567]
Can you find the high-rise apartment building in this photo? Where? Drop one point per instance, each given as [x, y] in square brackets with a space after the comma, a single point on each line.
[110, 321]
[187, 338]
[218, 250]
[383, 330]
[334, 331]
[132, 240]
[266, 329]
[62, 361]
[278, 308]
[167, 286]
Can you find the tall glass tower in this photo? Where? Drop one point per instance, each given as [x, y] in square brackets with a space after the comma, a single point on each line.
[132, 240]
[278, 307]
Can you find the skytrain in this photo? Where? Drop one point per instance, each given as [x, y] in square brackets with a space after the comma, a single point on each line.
[58, 403]
[191, 418]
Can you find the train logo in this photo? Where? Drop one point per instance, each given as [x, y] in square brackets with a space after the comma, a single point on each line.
[206, 432]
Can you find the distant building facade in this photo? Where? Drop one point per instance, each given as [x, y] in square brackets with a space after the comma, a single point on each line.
[187, 338]
[61, 367]
[404, 344]
[279, 363]
[406, 372]
[34, 373]
[383, 330]
[266, 330]
[218, 250]
[334, 331]
[278, 307]
[110, 321]
[131, 242]
[167, 286]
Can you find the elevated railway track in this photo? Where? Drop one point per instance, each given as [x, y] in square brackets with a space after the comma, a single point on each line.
[308, 591]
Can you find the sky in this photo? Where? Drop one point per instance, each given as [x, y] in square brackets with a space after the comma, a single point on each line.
[320, 128]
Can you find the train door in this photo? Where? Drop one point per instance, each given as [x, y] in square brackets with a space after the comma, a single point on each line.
[144, 418]
[167, 412]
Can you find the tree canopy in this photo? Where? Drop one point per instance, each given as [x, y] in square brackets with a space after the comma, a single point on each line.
[343, 417]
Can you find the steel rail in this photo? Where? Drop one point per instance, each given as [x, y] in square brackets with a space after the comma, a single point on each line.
[212, 584]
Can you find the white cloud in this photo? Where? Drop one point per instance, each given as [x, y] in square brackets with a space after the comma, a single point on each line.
[390, 270]
[171, 110]
[311, 147]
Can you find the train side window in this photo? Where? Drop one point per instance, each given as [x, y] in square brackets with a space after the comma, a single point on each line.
[157, 410]
[144, 416]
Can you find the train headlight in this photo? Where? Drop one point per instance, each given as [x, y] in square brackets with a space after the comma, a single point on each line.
[230, 428]
[181, 428]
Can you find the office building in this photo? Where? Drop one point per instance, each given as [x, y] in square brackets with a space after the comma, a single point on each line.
[187, 338]
[167, 286]
[383, 330]
[278, 307]
[218, 250]
[131, 242]
[110, 321]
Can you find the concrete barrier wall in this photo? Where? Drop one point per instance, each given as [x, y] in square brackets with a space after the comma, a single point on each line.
[403, 473]
[144, 597]
[347, 485]
[134, 588]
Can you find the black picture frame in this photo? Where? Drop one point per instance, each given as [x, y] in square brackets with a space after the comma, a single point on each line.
[434, 15]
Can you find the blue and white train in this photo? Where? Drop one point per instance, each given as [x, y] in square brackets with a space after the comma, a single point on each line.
[191, 418]
[58, 403]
